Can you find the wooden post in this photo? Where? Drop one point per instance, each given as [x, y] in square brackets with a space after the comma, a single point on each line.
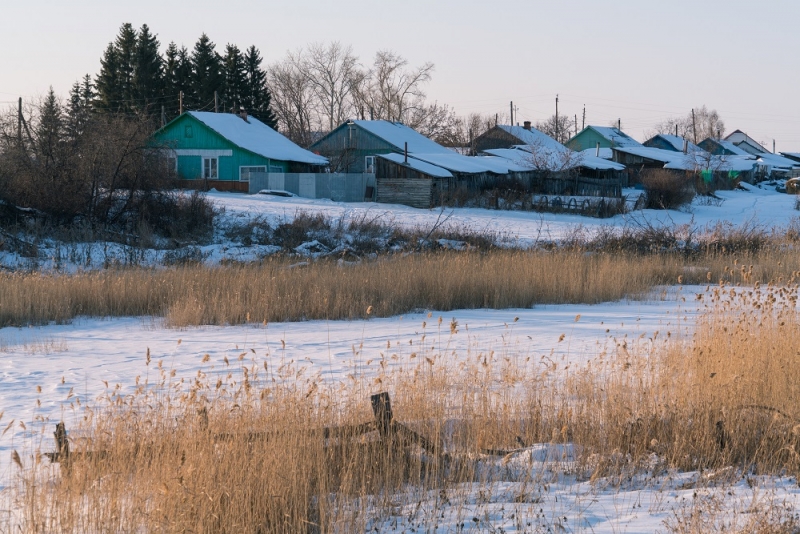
[382, 409]
[62, 443]
[180, 103]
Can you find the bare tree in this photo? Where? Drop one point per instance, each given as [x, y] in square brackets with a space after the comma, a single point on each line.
[705, 123]
[553, 159]
[559, 128]
[391, 91]
[331, 71]
[293, 98]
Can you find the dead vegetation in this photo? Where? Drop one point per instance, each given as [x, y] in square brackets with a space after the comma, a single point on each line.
[724, 403]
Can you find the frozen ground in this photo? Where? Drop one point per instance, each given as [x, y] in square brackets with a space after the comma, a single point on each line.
[539, 491]
[755, 206]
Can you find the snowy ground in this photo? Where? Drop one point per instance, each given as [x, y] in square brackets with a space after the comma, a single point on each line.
[540, 493]
[756, 206]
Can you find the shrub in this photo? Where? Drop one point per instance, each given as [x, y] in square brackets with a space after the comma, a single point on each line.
[666, 190]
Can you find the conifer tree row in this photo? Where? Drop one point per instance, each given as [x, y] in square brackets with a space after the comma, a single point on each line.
[135, 78]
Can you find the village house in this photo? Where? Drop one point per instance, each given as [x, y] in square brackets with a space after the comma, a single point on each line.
[604, 138]
[224, 150]
[409, 168]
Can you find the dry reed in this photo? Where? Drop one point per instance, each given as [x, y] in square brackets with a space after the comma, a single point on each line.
[175, 457]
[278, 290]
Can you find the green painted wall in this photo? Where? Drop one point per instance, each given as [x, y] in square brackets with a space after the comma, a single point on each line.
[188, 133]
[588, 138]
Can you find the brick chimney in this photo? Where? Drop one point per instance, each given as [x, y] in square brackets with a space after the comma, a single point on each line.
[527, 125]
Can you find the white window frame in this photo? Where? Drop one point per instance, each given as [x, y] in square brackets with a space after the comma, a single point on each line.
[369, 164]
[245, 176]
[211, 167]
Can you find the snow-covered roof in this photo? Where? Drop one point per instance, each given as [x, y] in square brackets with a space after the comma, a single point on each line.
[532, 137]
[464, 164]
[774, 160]
[257, 137]
[655, 154]
[677, 142]
[617, 137]
[605, 153]
[398, 134]
[697, 162]
[522, 156]
[417, 165]
[727, 145]
[590, 161]
[793, 155]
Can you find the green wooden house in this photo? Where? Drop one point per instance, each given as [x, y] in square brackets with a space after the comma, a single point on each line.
[222, 149]
[606, 136]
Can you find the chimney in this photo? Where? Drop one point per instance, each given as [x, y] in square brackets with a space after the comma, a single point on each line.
[243, 115]
[597, 150]
[405, 151]
[685, 146]
[527, 125]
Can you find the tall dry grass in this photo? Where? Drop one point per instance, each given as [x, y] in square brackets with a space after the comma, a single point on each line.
[176, 456]
[278, 290]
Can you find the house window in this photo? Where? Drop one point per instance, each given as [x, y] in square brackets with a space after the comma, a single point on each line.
[369, 164]
[245, 172]
[187, 131]
[210, 168]
[275, 168]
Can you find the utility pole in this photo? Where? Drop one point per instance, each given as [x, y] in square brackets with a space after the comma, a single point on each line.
[694, 127]
[773, 146]
[216, 103]
[19, 123]
[676, 129]
[619, 124]
[180, 103]
[511, 108]
[576, 124]
[163, 116]
[583, 124]
[556, 117]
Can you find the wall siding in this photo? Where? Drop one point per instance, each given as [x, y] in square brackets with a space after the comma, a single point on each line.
[204, 138]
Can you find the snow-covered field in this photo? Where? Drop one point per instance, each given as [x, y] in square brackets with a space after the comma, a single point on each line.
[74, 362]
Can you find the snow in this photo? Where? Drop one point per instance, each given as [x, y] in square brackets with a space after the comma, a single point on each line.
[655, 154]
[677, 143]
[773, 160]
[533, 137]
[735, 150]
[617, 137]
[535, 488]
[605, 153]
[421, 166]
[398, 134]
[257, 137]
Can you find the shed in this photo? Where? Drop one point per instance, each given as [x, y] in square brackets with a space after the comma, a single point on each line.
[222, 150]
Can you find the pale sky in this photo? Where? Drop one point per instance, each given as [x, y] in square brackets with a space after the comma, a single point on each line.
[640, 61]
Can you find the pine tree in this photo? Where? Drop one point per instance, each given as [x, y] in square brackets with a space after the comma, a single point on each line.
[49, 130]
[115, 83]
[207, 74]
[125, 45]
[235, 78]
[256, 97]
[109, 94]
[148, 75]
[177, 78]
[79, 108]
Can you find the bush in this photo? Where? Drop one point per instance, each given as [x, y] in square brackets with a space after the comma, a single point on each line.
[666, 190]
